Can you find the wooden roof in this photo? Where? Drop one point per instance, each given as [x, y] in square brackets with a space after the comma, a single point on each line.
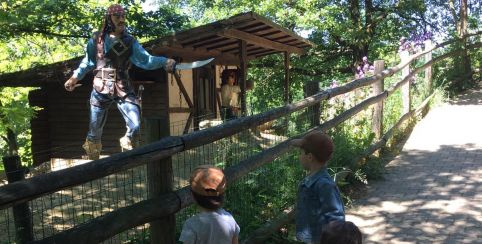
[220, 40]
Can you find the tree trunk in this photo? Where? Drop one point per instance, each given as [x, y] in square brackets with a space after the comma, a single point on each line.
[10, 139]
[366, 30]
[359, 51]
[463, 68]
[12, 143]
[465, 58]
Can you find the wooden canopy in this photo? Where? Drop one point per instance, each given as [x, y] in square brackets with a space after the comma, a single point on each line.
[220, 40]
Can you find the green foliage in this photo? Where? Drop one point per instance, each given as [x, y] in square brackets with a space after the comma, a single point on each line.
[79, 19]
[15, 115]
[261, 195]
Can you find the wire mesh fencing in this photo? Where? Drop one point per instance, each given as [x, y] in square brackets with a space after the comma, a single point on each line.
[252, 200]
[64, 209]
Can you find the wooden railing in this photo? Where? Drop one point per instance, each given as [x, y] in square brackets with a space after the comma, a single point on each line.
[157, 207]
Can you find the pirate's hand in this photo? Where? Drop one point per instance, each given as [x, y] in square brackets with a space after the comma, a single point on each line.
[170, 65]
[71, 84]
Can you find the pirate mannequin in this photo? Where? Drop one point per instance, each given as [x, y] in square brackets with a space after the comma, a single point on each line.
[109, 54]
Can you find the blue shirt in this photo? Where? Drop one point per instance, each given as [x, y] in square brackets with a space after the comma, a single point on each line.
[140, 57]
[211, 227]
[319, 202]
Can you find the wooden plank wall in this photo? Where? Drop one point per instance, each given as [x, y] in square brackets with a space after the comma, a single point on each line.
[62, 126]
[40, 127]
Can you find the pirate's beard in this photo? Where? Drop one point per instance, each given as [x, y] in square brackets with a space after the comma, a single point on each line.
[111, 26]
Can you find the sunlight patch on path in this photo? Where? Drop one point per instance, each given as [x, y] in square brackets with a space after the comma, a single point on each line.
[432, 191]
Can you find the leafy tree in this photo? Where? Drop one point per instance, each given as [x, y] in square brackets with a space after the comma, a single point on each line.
[457, 18]
[79, 19]
[15, 114]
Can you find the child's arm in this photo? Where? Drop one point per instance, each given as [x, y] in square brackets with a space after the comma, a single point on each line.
[235, 240]
[332, 206]
[236, 234]
[187, 233]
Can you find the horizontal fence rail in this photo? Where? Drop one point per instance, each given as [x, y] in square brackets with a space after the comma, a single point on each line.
[101, 228]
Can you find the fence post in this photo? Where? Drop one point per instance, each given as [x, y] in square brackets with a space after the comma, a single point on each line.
[21, 213]
[404, 55]
[159, 177]
[377, 88]
[428, 71]
[311, 88]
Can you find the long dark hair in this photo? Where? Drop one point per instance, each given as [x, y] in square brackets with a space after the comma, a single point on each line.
[107, 27]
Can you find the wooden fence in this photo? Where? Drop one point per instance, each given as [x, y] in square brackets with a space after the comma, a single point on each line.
[162, 204]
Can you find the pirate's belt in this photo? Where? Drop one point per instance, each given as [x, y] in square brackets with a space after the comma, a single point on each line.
[107, 74]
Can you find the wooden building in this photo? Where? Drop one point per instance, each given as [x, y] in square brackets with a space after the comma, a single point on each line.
[60, 127]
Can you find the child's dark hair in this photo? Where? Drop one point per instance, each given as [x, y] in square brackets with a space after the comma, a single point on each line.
[341, 232]
[318, 144]
[209, 202]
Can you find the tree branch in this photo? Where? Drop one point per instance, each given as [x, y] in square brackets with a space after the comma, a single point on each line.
[46, 33]
[345, 70]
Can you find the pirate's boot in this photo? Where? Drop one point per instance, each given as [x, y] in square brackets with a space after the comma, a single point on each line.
[125, 143]
[92, 149]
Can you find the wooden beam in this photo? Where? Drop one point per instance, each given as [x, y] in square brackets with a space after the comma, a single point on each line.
[183, 90]
[428, 72]
[188, 123]
[22, 214]
[233, 50]
[254, 52]
[218, 99]
[271, 33]
[268, 22]
[192, 54]
[254, 25]
[260, 41]
[378, 87]
[243, 56]
[257, 29]
[227, 43]
[180, 110]
[406, 89]
[207, 42]
[287, 77]
[159, 176]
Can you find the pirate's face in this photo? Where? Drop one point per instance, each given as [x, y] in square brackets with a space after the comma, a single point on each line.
[119, 21]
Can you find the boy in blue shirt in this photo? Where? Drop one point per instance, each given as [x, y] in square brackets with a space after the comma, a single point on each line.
[319, 201]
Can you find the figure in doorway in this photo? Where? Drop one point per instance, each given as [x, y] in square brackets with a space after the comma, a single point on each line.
[109, 54]
[229, 95]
